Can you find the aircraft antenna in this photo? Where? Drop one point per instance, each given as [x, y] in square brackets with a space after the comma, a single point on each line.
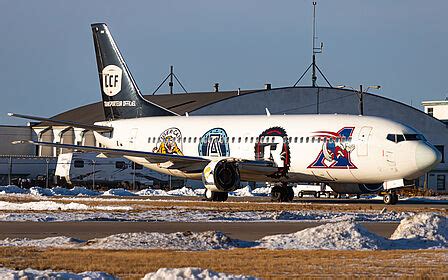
[316, 50]
[170, 76]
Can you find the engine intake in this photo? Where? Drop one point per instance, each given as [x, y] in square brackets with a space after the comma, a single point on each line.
[222, 175]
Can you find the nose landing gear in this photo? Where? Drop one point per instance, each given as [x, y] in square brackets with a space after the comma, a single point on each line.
[390, 198]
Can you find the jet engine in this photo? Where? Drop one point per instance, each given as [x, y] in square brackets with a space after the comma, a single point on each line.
[221, 176]
[357, 188]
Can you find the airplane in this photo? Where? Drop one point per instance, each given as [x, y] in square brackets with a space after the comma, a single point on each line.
[352, 154]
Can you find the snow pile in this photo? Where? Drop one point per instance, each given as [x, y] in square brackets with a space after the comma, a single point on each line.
[53, 206]
[11, 189]
[119, 192]
[192, 273]
[76, 191]
[196, 241]
[199, 191]
[422, 230]
[184, 191]
[41, 191]
[6, 274]
[56, 242]
[151, 192]
[332, 236]
[246, 191]
[262, 191]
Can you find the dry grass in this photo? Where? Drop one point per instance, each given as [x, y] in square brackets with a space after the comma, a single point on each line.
[267, 264]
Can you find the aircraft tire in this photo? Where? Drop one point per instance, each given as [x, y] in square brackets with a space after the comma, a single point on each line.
[300, 194]
[289, 194]
[277, 194]
[390, 199]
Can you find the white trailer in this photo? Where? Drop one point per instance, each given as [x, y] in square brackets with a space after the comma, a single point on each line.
[90, 170]
[314, 190]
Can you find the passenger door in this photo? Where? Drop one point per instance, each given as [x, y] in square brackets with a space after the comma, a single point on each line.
[363, 139]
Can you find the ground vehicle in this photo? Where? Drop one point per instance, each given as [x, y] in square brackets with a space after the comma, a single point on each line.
[314, 190]
[88, 169]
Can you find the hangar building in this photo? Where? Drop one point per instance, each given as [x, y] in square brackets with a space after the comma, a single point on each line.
[288, 100]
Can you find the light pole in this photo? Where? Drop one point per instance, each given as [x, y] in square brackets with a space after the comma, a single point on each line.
[360, 94]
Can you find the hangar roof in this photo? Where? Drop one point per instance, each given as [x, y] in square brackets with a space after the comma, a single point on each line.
[179, 103]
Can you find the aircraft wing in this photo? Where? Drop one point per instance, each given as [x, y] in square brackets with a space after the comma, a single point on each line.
[186, 164]
[98, 128]
[250, 169]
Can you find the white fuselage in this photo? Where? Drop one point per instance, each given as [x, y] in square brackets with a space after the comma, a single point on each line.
[313, 148]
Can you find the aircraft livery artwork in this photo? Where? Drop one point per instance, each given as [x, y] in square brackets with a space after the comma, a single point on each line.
[271, 146]
[335, 151]
[214, 144]
[170, 142]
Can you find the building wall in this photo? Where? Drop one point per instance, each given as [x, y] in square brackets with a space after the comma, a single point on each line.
[14, 133]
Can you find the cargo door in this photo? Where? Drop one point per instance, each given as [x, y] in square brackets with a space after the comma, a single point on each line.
[363, 141]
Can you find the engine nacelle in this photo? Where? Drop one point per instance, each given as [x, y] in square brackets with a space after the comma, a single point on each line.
[221, 176]
[356, 188]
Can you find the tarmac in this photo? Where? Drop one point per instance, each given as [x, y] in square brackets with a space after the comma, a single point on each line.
[240, 230]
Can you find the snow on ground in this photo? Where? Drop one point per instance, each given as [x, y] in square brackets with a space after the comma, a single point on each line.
[345, 235]
[422, 231]
[12, 189]
[55, 206]
[189, 215]
[192, 273]
[185, 191]
[119, 192]
[246, 191]
[54, 242]
[10, 274]
[196, 241]
[433, 229]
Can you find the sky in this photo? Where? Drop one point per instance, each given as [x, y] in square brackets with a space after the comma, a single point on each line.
[48, 62]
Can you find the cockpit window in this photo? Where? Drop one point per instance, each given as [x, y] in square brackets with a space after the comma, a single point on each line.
[414, 137]
[397, 138]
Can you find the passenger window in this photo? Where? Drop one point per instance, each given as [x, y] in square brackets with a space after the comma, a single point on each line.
[239, 139]
[233, 139]
[307, 139]
[149, 140]
[194, 140]
[120, 165]
[78, 163]
[301, 139]
[136, 166]
[185, 139]
[295, 139]
[153, 139]
[251, 139]
[246, 139]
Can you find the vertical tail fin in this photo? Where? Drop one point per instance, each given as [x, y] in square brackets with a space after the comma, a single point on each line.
[121, 97]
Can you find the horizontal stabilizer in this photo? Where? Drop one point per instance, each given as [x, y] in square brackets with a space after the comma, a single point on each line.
[97, 128]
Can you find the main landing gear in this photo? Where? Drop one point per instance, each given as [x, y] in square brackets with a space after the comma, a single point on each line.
[282, 193]
[390, 198]
[216, 196]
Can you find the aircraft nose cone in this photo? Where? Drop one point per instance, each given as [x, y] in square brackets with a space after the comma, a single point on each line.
[426, 157]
